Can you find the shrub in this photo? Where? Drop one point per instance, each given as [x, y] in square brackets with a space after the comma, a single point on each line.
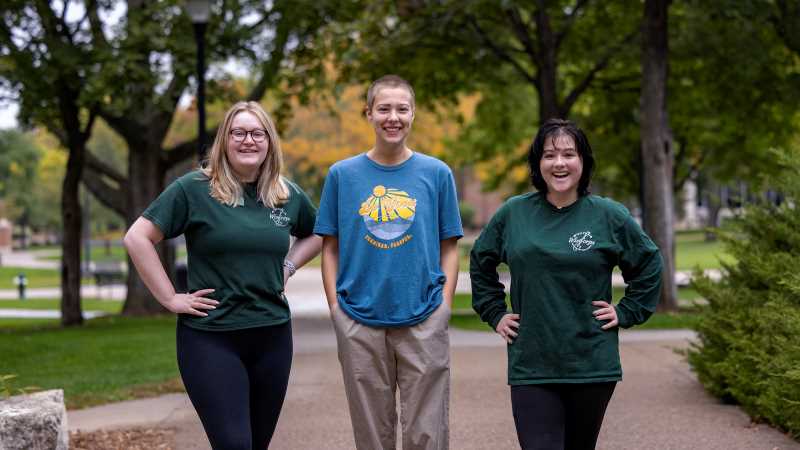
[467, 214]
[749, 337]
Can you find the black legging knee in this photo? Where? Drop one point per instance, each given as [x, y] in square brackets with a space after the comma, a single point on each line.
[237, 381]
[560, 416]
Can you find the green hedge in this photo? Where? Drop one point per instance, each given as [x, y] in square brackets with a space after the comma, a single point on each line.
[749, 347]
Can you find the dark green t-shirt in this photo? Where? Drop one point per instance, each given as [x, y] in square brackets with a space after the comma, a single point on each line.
[561, 261]
[238, 251]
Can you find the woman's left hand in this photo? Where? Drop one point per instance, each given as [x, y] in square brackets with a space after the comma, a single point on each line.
[605, 311]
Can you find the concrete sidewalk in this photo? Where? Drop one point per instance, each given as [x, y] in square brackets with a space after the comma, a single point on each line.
[32, 259]
[110, 292]
[660, 405]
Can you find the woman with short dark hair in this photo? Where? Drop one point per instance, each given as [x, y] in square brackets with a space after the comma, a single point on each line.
[561, 244]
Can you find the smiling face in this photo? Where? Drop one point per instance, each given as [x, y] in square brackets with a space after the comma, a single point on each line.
[246, 157]
[561, 167]
[391, 115]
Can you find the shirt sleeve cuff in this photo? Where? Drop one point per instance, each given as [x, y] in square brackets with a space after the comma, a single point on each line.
[324, 230]
[496, 319]
[623, 317]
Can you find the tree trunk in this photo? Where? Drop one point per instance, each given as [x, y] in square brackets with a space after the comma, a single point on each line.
[145, 167]
[71, 314]
[714, 208]
[547, 70]
[657, 151]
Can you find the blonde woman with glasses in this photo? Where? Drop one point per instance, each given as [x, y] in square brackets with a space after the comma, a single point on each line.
[234, 337]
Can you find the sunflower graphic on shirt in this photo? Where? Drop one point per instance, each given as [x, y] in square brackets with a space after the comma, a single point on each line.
[388, 212]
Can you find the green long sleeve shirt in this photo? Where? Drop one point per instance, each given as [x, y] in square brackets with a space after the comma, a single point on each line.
[561, 261]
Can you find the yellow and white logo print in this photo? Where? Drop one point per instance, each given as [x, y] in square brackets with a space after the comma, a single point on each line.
[388, 212]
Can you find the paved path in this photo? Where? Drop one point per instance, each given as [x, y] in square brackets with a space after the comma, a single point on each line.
[660, 405]
[42, 313]
[111, 292]
[33, 259]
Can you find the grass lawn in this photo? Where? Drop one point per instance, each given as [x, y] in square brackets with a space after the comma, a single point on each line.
[11, 324]
[87, 304]
[115, 253]
[465, 318]
[109, 359]
[692, 250]
[37, 278]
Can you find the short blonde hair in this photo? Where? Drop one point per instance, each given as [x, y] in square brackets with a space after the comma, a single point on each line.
[224, 186]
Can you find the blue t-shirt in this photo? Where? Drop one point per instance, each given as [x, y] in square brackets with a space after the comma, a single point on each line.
[389, 221]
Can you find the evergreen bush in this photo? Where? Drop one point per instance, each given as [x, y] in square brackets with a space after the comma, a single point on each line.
[468, 213]
[749, 336]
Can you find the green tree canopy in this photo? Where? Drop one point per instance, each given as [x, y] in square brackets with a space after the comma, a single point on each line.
[19, 157]
[528, 61]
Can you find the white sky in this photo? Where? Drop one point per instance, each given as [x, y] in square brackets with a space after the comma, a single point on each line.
[8, 115]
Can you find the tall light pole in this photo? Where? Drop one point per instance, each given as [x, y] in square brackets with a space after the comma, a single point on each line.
[199, 11]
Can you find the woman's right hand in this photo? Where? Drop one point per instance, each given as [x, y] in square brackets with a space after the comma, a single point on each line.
[508, 327]
[192, 303]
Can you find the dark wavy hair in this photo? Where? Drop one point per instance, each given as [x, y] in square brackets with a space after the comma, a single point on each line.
[551, 129]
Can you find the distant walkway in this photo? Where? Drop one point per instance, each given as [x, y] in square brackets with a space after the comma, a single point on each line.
[659, 405]
[111, 292]
[31, 259]
[15, 313]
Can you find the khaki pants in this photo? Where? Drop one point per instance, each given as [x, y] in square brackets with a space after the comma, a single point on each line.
[375, 361]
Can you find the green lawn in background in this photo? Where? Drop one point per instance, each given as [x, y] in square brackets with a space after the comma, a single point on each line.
[114, 253]
[36, 277]
[87, 304]
[692, 250]
[109, 359]
[8, 324]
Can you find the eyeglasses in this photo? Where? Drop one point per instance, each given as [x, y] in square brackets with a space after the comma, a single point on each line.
[239, 135]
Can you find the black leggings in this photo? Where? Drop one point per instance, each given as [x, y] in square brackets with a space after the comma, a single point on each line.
[560, 416]
[237, 381]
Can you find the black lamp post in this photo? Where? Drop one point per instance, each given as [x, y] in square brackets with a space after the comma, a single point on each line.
[199, 11]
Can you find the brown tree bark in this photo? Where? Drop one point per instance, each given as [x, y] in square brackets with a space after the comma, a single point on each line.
[547, 69]
[146, 168]
[74, 138]
[656, 151]
[71, 313]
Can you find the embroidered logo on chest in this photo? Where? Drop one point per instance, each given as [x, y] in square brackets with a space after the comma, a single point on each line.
[278, 215]
[581, 241]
